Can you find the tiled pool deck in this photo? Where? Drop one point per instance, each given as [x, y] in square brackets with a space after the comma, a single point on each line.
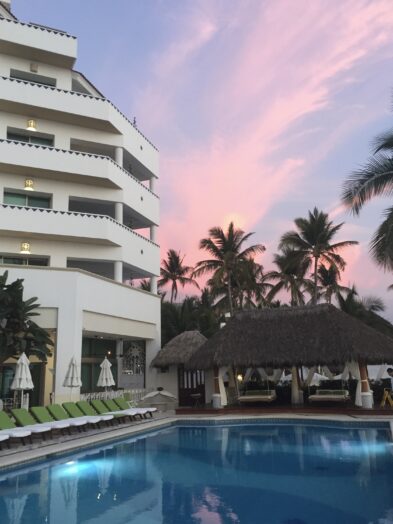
[41, 450]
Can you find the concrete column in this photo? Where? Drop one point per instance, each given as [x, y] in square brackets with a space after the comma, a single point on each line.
[152, 184]
[118, 271]
[119, 212]
[153, 285]
[153, 233]
[119, 156]
[119, 360]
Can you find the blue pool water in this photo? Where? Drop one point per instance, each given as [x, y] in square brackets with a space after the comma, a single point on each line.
[248, 474]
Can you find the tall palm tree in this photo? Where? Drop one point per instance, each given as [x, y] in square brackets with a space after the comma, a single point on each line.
[375, 179]
[174, 272]
[290, 276]
[328, 279]
[227, 251]
[311, 244]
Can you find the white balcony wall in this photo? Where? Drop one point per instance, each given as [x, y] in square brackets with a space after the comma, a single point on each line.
[65, 173]
[29, 224]
[76, 108]
[37, 43]
[63, 75]
[81, 292]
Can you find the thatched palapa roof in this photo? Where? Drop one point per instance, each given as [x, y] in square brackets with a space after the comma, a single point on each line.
[179, 349]
[283, 337]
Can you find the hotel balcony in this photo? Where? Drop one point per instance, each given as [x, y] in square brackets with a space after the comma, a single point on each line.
[36, 42]
[40, 101]
[60, 164]
[29, 223]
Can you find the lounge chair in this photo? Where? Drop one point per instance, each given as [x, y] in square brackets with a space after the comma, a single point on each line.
[3, 437]
[258, 395]
[89, 411]
[123, 404]
[101, 409]
[58, 413]
[133, 412]
[43, 416]
[73, 411]
[330, 395]
[8, 427]
[29, 424]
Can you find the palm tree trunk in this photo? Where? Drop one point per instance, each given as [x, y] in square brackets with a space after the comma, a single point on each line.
[230, 295]
[315, 296]
[172, 293]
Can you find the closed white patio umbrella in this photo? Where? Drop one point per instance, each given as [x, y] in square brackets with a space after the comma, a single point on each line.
[22, 379]
[105, 380]
[73, 377]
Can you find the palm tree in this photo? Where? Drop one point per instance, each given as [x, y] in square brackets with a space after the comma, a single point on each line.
[375, 179]
[366, 309]
[328, 278]
[227, 251]
[173, 271]
[290, 276]
[311, 244]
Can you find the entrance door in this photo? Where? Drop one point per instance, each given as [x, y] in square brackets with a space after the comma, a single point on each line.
[191, 383]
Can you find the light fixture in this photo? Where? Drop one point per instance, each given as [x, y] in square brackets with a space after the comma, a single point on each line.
[25, 248]
[29, 184]
[240, 378]
[31, 125]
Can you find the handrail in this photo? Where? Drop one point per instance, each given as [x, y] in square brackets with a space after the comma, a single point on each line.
[82, 153]
[40, 27]
[84, 95]
[76, 213]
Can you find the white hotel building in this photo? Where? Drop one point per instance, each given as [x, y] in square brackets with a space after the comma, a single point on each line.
[79, 212]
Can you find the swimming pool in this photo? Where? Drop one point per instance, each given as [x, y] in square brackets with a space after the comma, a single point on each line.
[282, 473]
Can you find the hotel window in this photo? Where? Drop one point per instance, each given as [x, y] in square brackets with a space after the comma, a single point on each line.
[30, 138]
[33, 77]
[134, 359]
[22, 199]
[24, 261]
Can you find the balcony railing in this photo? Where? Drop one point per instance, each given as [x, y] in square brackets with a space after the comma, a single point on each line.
[76, 94]
[79, 154]
[40, 28]
[76, 214]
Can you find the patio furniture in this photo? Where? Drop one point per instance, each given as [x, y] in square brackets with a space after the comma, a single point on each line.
[258, 395]
[59, 413]
[8, 427]
[330, 395]
[29, 423]
[114, 408]
[196, 397]
[43, 416]
[73, 411]
[387, 397]
[123, 404]
[88, 410]
[101, 409]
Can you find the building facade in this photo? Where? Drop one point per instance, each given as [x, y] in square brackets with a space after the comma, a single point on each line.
[79, 211]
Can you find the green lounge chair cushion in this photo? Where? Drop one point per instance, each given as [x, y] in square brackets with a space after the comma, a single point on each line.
[86, 408]
[111, 405]
[121, 403]
[58, 412]
[73, 410]
[100, 407]
[23, 417]
[42, 414]
[6, 422]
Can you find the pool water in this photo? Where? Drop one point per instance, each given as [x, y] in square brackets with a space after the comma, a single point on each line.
[248, 474]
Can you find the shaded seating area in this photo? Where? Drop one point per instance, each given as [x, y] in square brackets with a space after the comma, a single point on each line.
[293, 338]
[257, 395]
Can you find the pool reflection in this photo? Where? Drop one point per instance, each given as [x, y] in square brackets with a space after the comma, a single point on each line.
[213, 475]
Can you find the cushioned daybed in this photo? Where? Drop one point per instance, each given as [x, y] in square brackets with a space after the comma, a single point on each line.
[258, 395]
[330, 395]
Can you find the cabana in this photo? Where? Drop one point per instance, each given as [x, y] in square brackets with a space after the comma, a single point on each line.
[291, 337]
[187, 385]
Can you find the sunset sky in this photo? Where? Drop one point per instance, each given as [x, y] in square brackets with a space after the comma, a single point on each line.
[260, 109]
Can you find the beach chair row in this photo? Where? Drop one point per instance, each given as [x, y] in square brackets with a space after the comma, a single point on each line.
[43, 421]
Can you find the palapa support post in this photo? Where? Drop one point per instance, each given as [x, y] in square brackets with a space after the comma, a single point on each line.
[216, 386]
[366, 393]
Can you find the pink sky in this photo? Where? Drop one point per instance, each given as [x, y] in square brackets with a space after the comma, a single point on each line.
[260, 108]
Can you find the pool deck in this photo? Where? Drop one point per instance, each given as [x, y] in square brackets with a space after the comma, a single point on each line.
[19, 455]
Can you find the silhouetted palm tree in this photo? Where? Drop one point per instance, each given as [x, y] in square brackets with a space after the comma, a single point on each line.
[227, 251]
[290, 276]
[375, 179]
[328, 279]
[311, 244]
[174, 272]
